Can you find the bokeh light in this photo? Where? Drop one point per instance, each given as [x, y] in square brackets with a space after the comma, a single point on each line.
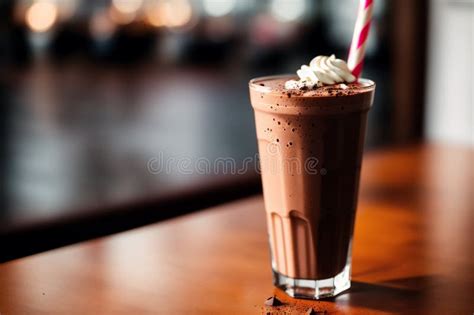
[177, 13]
[288, 10]
[154, 14]
[218, 7]
[127, 6]
[169, 13]
[120, 17]
[41, 16]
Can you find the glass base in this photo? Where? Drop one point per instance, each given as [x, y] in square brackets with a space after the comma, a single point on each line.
[314, 289]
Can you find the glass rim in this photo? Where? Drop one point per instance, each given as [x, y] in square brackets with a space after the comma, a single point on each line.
[253, 83]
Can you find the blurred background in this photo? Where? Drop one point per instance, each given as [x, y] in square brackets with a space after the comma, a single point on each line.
[92, 90]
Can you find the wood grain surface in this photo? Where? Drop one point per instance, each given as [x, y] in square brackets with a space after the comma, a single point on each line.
[413, 254]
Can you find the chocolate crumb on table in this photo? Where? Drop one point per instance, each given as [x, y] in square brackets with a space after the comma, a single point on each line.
[273, 301]
[311, 311]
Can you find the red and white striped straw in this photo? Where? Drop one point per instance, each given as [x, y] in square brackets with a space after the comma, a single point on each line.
[355, 60]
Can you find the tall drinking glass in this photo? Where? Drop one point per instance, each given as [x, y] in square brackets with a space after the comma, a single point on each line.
[310, 147]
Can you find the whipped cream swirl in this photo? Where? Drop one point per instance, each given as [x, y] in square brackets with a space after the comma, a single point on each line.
[321, 70]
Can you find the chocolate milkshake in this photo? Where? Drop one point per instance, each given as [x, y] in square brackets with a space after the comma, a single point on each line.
[310, 137]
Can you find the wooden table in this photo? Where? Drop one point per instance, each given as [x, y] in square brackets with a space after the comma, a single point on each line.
[412, 254]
